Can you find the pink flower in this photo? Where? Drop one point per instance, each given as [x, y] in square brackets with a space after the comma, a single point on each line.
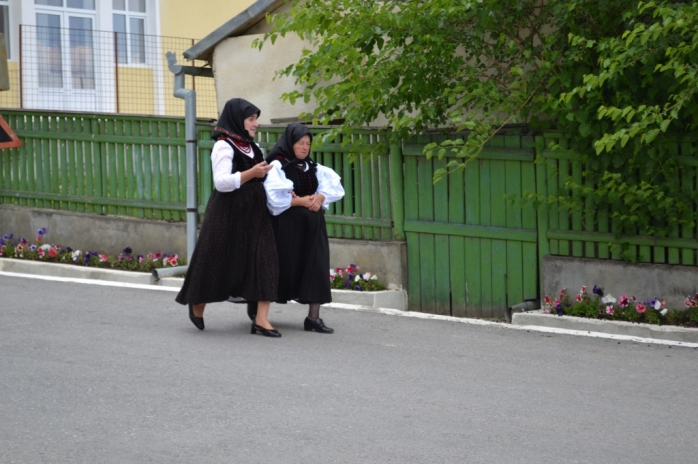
[39, 238]
[640, 308]
[579, 298]
[52, 252]
[609, 309]
[623, 302]
[547, 299]
[103, 258]
[584, 289]
[40, 252]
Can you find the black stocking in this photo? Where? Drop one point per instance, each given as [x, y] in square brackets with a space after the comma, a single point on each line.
[313, 311]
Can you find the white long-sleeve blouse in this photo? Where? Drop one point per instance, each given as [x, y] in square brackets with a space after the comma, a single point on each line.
[279, 189]
[222, 165]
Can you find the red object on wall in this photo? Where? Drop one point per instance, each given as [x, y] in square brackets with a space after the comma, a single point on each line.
[8, 138]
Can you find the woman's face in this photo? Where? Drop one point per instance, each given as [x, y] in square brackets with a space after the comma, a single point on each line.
[302, 148]
[251, 125]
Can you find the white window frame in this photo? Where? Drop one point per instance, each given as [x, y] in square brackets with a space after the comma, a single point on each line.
[146, 19]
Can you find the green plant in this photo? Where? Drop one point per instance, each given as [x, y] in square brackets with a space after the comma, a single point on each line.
[617, 78]
[20, 248]
[625, 308]
[352, 278]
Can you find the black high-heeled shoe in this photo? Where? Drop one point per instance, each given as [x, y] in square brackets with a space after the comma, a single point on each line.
[317, 325]
[266, 332]
[197, 321]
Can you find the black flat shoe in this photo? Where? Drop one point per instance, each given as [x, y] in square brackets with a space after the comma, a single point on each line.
[197, 321]
[266, 332]
[318, 326]
[252, 310]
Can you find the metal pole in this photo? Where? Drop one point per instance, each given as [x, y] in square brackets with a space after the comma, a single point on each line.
[189, 97]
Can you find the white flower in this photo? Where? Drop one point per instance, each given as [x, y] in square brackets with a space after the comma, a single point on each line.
[664, 311]
[357, 278]
[657, 305]
[366, 275]
[45, 247]
[608, 299]
[374, 277]
[76, 255]
[332, 272]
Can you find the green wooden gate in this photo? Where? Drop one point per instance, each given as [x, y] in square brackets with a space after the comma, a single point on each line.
[470, 251]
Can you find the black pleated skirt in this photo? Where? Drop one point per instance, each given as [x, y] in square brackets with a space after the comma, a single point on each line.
[235, 253]
[304, 256]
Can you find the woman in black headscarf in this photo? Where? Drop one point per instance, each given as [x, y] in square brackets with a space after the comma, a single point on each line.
[298, 192]
[235, 253]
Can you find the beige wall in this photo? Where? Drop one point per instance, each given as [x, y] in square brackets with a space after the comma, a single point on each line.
[246, 72]
[187, 18]
[10, 98]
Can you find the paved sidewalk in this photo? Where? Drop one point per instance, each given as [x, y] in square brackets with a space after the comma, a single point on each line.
[109, 373]
[394, 303]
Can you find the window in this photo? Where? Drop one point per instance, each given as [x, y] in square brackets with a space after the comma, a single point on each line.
[129, 25]
[5, 24]
[79, 4]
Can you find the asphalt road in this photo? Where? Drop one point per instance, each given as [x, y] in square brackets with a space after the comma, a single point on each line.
[93, 374]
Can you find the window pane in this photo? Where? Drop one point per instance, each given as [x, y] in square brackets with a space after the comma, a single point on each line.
[5, 27]
[49, 2]
[120, 29]
[136, 5]
[48, 36]
[137, 40]
[119, 5]
[82, 71]
[82, 4]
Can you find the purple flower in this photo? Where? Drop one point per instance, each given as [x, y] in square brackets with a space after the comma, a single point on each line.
[558, 308]
[127, 250]
[23, 241]
[5, 237]
[597, 291]
[347, 284]
[32, 247]
[41, 231]
[358, 287]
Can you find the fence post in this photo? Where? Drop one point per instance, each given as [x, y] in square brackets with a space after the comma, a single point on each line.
[542, 192]
[397, 196]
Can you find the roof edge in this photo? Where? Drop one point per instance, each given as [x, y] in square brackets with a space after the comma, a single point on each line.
[203, 50]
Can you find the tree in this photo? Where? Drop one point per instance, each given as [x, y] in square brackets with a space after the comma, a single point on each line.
[616, 76]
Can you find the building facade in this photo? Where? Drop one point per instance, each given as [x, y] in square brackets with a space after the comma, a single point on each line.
[105, 55]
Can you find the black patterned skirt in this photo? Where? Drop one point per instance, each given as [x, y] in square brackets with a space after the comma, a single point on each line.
[304, 256]
[235, 253]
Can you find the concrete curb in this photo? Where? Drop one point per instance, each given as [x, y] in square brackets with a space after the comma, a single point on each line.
[390, 299]
[671, 333]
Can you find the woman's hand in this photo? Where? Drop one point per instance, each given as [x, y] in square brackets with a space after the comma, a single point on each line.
[259, 170]
[316, 204]
[302, 201]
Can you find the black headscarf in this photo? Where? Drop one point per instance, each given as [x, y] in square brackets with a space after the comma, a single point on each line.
[232, 120]
[283, 150]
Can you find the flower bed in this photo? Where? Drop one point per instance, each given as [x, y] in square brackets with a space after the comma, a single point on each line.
[625, 308]
[21, 248]
[352, 278]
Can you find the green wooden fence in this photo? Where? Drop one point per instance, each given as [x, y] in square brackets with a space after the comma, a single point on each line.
[136, 166]
[471, 252]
